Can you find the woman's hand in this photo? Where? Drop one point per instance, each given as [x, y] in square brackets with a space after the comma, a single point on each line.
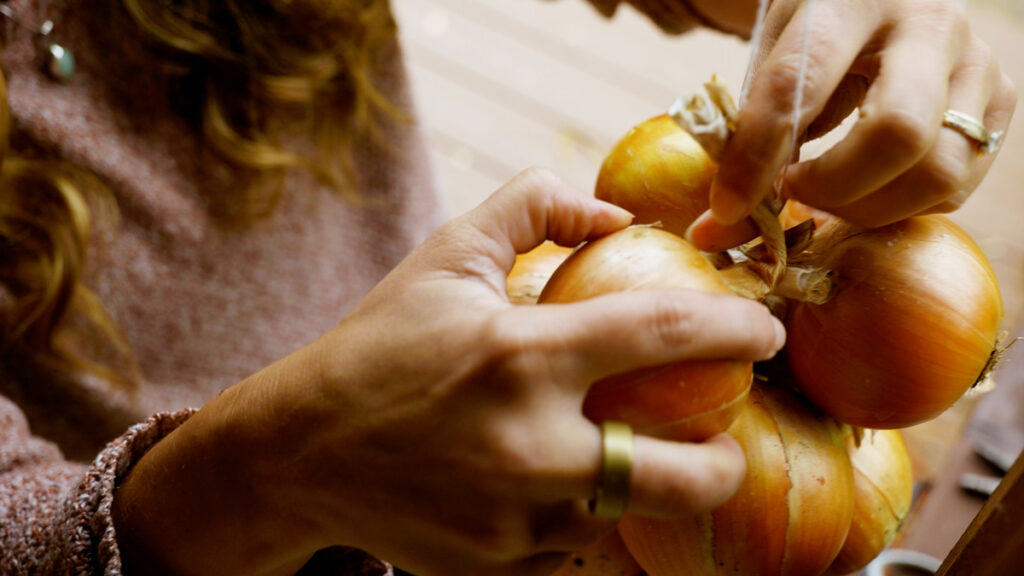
[438, 426]
[903, 63]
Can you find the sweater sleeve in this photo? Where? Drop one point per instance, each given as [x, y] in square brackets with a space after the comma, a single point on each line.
[55, 515]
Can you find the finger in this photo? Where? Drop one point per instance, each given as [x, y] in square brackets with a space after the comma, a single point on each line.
[848, 97]
[899, 120]
[708, 235]
[535, 206]
[672, 479]
[980, 88]
[667, 479]
[944, 179]
[763, 140]
[651, 328]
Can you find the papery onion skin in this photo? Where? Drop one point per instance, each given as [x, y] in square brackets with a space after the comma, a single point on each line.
[531, 271]
[606, 557]
[883, 492]
[789, 516]
[690, 400]
[913, 323]
[660, 173]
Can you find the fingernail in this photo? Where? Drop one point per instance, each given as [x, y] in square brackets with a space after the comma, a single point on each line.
[697, 234]
[696, 225]
[780, 334]
[615, 210]
[727, 205]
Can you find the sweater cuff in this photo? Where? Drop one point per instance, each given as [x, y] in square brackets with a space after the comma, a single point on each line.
[90, 510]
[91, 506]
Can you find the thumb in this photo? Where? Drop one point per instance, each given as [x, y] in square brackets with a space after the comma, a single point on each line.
[536, 206]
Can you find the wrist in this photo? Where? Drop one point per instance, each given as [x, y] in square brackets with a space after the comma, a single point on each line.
[205, 499]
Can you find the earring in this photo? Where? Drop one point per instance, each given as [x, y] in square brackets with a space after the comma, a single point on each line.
[59, 61]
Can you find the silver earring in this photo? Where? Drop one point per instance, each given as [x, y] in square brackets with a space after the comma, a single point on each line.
[59, 61]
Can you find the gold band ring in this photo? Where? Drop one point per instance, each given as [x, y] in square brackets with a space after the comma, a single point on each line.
[988, 142]
[616, 466]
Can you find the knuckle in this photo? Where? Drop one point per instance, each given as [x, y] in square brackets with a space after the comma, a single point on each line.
[510, 350]
[539, 177]
[1007, 92]
[984, 53]
[901, 133]
[672, 324]
[947, 172]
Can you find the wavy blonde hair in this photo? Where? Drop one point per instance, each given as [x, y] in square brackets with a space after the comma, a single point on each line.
[245, 73]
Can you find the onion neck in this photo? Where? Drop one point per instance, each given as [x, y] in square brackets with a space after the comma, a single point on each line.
[711, 119]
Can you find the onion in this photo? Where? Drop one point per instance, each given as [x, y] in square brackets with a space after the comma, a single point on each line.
[690, 400]
[606, 557]
[883, 487]
[912, 322]
[660, 173]
[532, 270]
[789, 516]
[662, 170]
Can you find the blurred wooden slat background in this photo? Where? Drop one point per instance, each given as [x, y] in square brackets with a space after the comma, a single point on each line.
[503, 85]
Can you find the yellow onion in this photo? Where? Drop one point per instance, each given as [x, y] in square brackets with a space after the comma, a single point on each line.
[883, 486]
[794, 213]
[690, 400]
[660, 173]
[606, 557]
[912, 322]
[531, 271]
[789, 516]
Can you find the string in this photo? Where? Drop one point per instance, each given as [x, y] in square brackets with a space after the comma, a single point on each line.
[756, 39]
[755, 43]
[801, 78]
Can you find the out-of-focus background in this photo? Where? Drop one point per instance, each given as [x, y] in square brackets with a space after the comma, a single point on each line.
[503, 85]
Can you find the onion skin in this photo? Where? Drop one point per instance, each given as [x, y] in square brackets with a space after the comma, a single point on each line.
[660, 173]
[690, 400]
[606, 557]
[912, 324]
[790, 515]
[531, 271]
[883, 485]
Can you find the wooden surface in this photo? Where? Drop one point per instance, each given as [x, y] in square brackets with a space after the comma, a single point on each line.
[503, 85]
[994, 541]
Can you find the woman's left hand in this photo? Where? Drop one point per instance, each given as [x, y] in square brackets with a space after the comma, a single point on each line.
[903, 63]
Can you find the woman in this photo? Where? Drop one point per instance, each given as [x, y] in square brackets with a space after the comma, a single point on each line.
[251, 370]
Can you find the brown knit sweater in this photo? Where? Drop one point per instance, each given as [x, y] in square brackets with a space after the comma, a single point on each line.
[202, 307]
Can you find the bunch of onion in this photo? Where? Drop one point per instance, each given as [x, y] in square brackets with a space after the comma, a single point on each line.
[883, 487]
[691, 400]
[790, 515]
[910, 323]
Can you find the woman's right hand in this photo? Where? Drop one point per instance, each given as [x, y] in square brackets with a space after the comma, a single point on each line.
[437, 426]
